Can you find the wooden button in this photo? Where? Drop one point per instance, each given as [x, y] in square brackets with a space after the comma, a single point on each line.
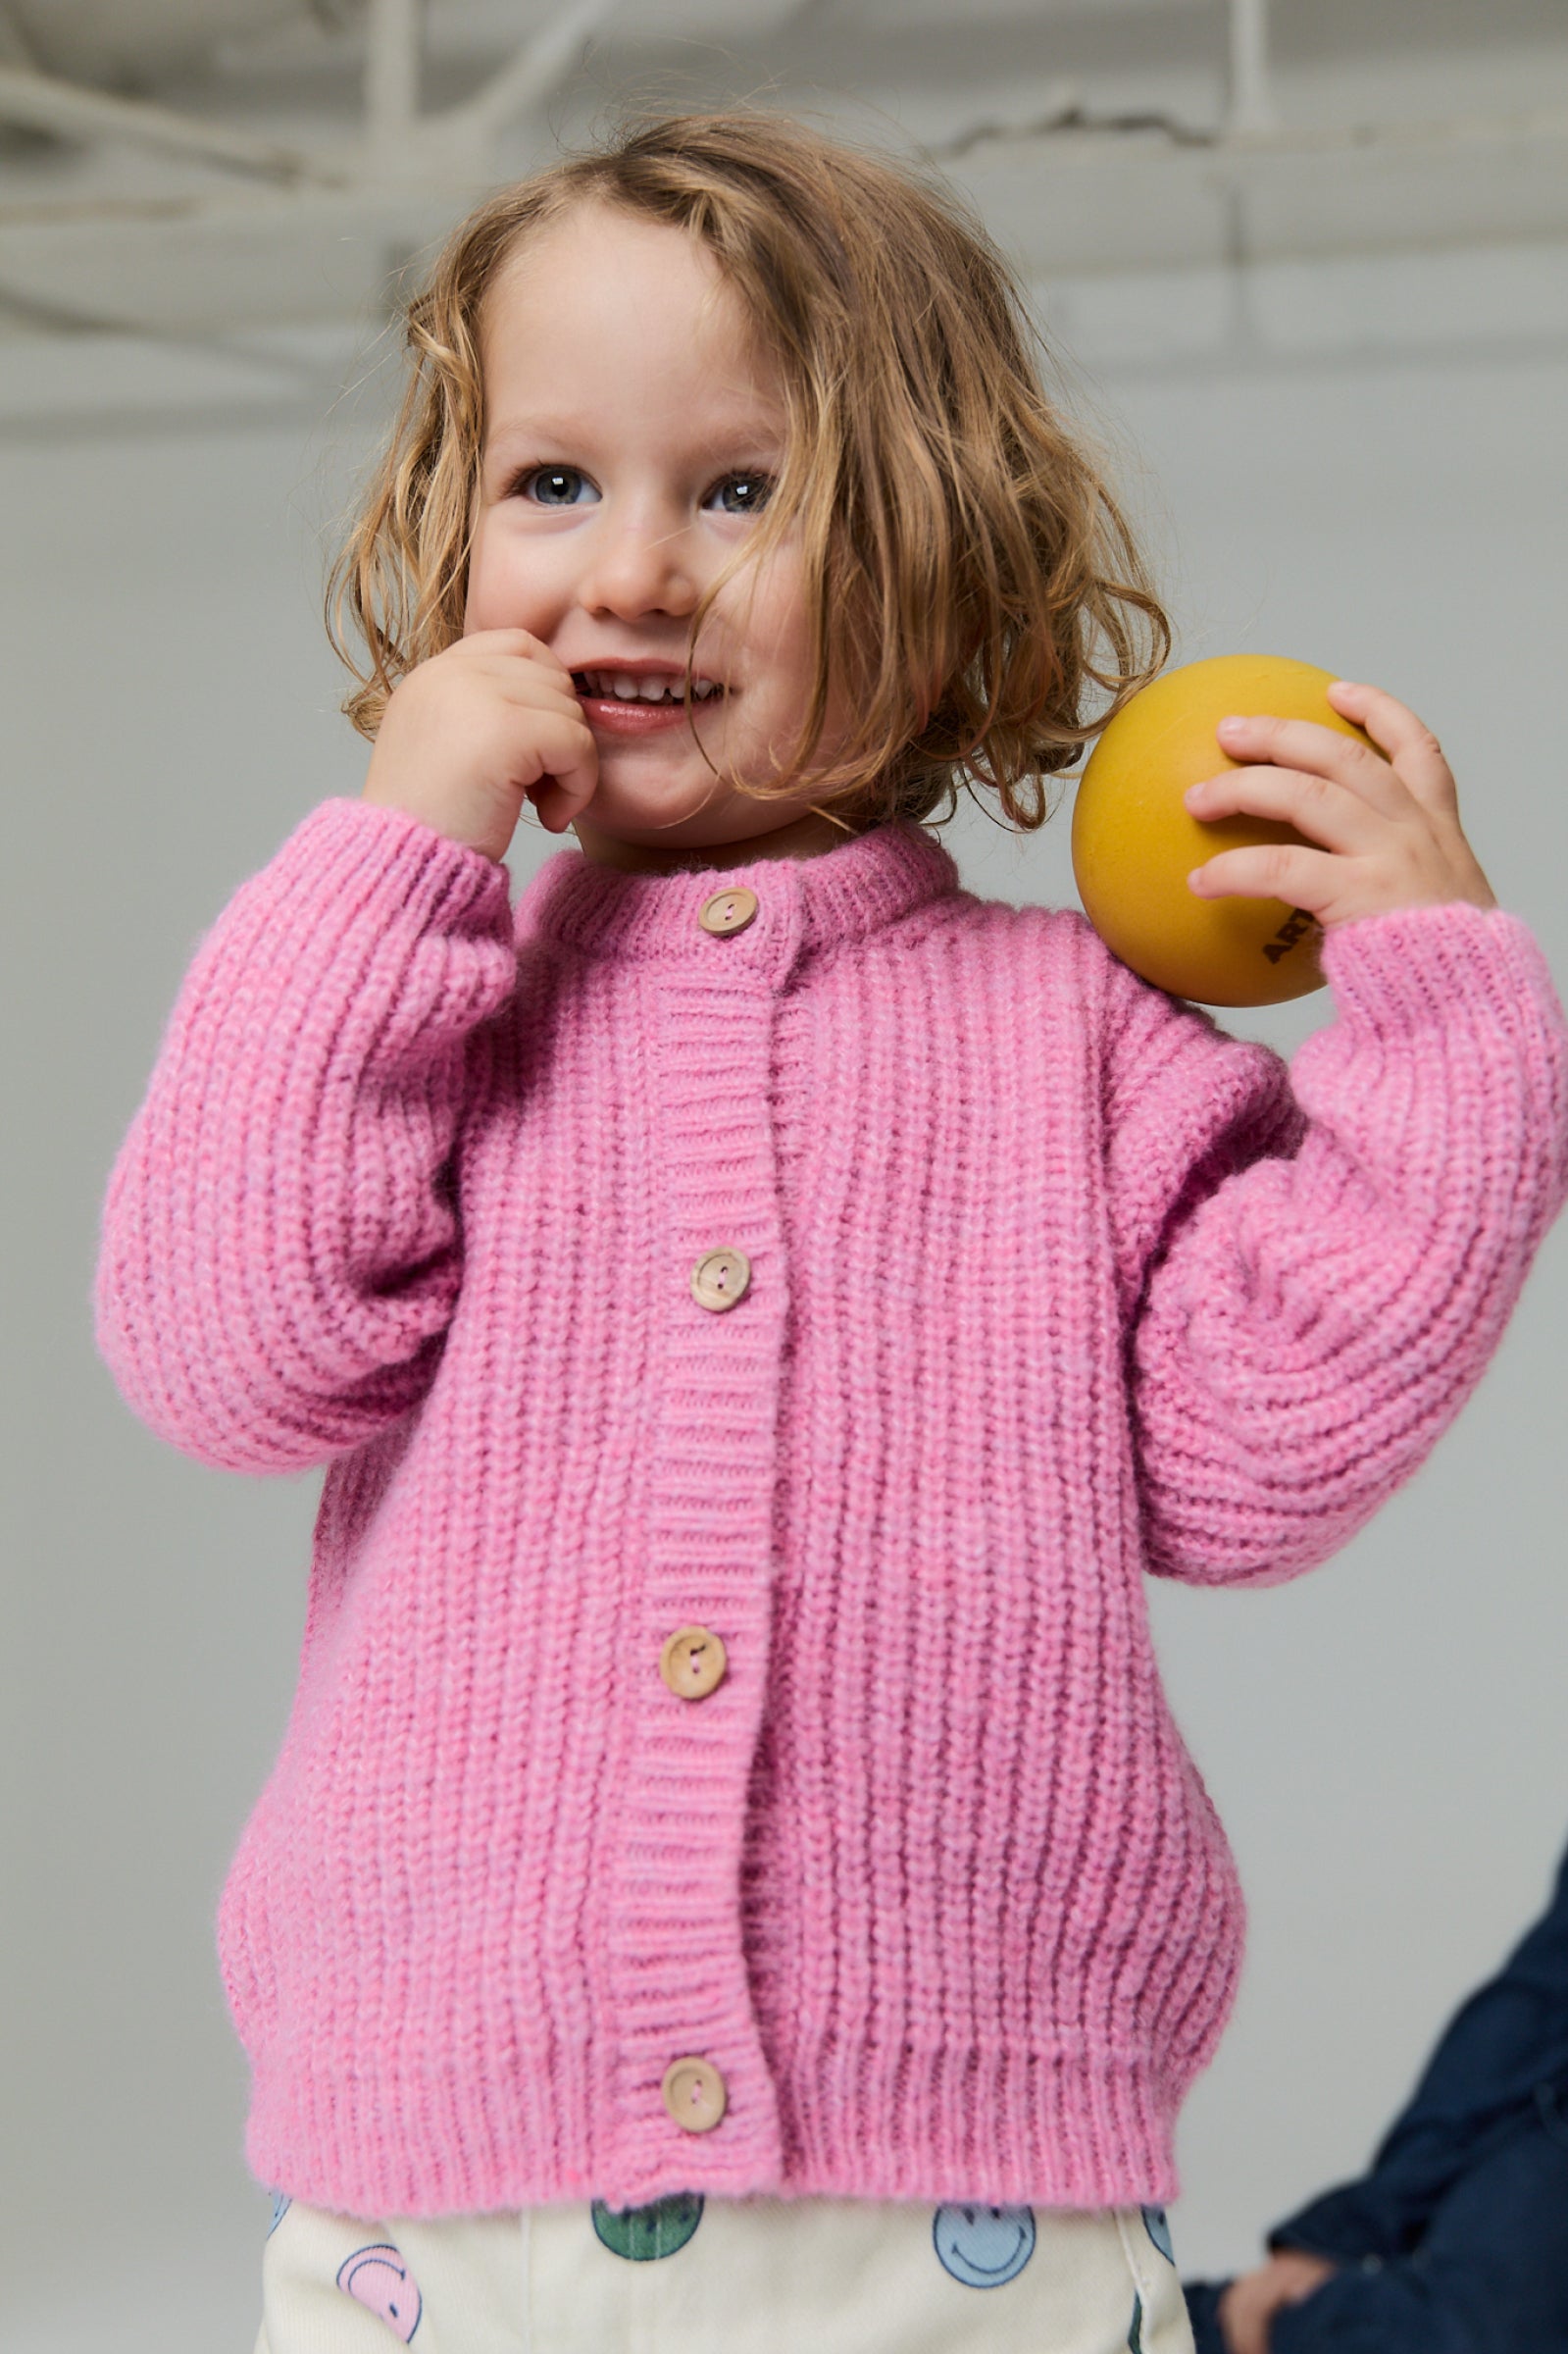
[727, 911]
[692, 1662]
[720, 1278]
[695, 2094]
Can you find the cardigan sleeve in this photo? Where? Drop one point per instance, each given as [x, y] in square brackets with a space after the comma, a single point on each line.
[279, 1253]
[1318, 1265]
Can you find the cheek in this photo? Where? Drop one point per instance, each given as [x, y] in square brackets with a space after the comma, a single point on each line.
[492, 581]
[477, 595]
[768, 604]
[507, 588]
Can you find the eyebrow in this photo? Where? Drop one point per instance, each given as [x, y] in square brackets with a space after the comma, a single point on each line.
[753, 425]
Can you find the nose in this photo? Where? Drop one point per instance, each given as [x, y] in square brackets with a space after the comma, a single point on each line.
[639, 563]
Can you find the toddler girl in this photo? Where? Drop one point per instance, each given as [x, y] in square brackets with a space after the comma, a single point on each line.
[731, 1879]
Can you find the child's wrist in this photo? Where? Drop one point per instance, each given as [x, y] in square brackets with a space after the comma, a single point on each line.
[473, 828]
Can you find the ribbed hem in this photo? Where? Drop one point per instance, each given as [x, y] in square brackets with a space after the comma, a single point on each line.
[1043, 2129]
[1051, 2129]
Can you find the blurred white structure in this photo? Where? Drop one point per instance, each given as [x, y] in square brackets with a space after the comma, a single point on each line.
[276, 157]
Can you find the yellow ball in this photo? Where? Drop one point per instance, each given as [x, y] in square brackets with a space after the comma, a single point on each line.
[1135, 843]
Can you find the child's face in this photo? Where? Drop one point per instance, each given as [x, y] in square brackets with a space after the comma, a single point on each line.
[631, 434]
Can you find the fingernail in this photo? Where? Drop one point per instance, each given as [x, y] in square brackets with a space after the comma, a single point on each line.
[1227, 727]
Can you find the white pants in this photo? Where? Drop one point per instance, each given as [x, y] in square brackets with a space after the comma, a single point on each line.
[690, 2276]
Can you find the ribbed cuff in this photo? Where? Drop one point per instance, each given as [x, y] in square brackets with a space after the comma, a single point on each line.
[1417, 967]
[386, 861]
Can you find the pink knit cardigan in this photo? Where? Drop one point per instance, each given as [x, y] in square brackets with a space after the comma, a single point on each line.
[1051, 1283]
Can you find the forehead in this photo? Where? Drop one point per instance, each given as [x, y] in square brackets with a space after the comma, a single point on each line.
[604, 308]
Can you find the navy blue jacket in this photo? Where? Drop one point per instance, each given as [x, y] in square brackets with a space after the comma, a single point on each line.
[1457, 2240]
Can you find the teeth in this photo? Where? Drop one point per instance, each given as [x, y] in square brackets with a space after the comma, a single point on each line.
[627, 686]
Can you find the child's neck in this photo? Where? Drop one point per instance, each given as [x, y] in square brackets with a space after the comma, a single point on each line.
[807, 836]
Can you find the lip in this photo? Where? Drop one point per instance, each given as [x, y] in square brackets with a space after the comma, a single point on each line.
[609, 715]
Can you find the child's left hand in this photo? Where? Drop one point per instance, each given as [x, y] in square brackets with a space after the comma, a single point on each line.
[1389, 827]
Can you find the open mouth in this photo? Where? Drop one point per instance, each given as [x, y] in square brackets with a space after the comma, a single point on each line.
[643, 687]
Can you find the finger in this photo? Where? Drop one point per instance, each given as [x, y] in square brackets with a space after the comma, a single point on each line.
[554, 808]
[561, 768]
[1272, 870]
[1305, 745]
[529, 688]
[554, 805]
[1242, 2324]
[1410, 745]
[506, 642]
[517, 645]
[518, 663]
[1325, 811]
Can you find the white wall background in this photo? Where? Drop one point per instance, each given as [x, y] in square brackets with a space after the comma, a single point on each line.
[1384, 1739]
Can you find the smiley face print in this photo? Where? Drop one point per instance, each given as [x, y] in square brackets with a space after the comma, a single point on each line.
[643, 2234]
[984, 2247]
[379, 2279]
[1159, 2231]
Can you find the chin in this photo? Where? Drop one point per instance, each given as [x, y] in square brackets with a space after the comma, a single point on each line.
[682, 820]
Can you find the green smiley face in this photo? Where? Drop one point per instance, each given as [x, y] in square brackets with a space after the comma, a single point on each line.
[643, 2234]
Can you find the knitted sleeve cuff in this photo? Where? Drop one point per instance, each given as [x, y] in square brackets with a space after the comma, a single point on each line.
[1426, 966]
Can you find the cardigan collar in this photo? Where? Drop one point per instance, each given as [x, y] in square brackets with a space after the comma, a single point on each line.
[804, 905]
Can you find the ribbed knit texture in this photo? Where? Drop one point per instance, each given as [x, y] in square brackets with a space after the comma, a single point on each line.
[1051, 1282]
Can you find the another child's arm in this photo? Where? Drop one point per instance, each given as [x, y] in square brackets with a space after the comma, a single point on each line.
[281, 1251]
[1248, 2308]
[1320, 1283]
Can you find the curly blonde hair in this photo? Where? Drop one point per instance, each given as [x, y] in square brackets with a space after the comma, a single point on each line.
[969, 576]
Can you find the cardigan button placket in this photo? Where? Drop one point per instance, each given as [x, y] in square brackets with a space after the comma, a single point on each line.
[677, 1975]
[720, 1278]
[692, 1662]
[695, 2094]
[727, 911]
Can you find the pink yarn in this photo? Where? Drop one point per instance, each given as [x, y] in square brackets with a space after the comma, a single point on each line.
[1051, 1283]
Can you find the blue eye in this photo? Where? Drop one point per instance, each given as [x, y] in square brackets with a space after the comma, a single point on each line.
[556, 486]
[742, 494]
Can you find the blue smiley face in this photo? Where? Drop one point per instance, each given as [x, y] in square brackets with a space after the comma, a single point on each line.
[1159, 2231]
[983, 2246]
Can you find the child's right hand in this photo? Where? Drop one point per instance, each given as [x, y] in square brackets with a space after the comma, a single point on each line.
[469, 736]
[1248, 2306]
